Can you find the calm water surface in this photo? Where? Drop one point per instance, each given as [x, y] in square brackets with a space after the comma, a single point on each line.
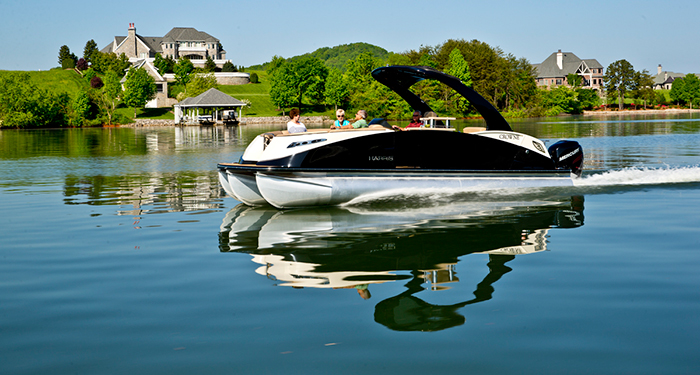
[119, 253]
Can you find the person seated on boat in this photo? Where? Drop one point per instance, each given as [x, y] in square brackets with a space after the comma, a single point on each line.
[294, 126]
[341, 121]
[415, 122]
[360, 121]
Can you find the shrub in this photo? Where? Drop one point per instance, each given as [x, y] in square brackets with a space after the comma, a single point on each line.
[254, 78]
[96, 82]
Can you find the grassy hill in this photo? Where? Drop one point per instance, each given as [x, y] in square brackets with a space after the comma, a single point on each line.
[70, 82]
[336, 57]
[56, 80]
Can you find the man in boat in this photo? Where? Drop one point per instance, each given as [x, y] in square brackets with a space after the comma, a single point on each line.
[415, 122]
[360, 121]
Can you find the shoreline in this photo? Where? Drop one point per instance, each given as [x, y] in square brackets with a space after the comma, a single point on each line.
[325, 120]
[672, 111]
[244, 121]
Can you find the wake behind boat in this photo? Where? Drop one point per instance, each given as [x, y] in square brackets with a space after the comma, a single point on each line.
[328, 167]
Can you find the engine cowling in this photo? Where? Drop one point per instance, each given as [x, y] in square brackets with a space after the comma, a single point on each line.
[567, 155]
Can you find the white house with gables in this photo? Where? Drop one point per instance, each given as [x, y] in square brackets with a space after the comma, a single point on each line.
[553, 70]
[179, 42]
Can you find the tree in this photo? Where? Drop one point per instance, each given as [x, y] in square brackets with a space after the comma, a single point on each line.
[110, 94]
[164, 65]
[139, 88]
[574, 80]
[336, 89]
[276, 62]
[65, 58]
[80, 109]
[23, 104]
[81, 64]
[643, 87]
[182, 70]
[229, 67]
[677, 93]
[619, 79]
[200, 83]
[691, 90]
[209, 65]
[458, 67]
[90, 50]
[282, 92]
[104, 62]
[561, 99]
[96, 82]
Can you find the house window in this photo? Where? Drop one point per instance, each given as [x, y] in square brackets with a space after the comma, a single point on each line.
[559, 82]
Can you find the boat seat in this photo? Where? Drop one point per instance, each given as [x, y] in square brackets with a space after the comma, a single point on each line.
[473, 129]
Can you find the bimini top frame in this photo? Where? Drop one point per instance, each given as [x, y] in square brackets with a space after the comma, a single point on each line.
[401, 78]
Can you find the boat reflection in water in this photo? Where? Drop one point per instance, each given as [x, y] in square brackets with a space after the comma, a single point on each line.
[354, 247]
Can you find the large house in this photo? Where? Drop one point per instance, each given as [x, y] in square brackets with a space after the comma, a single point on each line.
[179, 42]
[553, 70]
[664, 79]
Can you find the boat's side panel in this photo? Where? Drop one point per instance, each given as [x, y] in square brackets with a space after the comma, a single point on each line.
[283, 191]
[287, 190]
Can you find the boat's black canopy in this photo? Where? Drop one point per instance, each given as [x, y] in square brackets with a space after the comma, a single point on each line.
[401, 78]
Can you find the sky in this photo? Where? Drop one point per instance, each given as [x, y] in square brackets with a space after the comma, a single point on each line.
[645, 33]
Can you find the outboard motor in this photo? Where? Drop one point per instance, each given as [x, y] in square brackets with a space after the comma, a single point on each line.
[567, 155]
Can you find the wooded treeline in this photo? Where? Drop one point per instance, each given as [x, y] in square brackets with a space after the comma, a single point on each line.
[508, 82]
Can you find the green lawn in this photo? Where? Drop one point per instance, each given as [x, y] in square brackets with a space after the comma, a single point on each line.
[259, 96]
[56, 80]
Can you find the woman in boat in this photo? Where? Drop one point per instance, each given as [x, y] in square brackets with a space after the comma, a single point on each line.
[341, 121]
[294, 126]
[360, 121]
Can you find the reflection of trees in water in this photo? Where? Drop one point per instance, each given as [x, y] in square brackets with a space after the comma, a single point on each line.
[149, 193]
[406, 312]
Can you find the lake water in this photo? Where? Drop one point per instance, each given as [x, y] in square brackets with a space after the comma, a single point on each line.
[119, 253]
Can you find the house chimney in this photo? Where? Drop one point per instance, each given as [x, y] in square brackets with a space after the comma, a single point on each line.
[560, 60]
[131, 46]
[658, 70]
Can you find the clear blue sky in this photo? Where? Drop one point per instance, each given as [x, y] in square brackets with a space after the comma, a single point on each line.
[645, 33]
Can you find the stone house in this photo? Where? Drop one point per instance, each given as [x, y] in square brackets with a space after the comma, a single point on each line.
[553, 70]
[179, 42]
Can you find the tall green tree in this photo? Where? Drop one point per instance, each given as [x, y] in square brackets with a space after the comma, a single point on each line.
[691, 90]
[336, 93]
[66, 59]
[619, 79]
[139, 88]
[90, 50]
[310, 80]
[282, 91]
[459, 68]
[183, 69]
[677, 93]
[109, 95]
[644, 87]
[80, 109]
